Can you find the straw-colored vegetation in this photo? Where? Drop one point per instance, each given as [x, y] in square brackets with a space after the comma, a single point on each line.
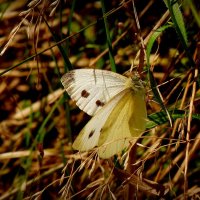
[42, 40]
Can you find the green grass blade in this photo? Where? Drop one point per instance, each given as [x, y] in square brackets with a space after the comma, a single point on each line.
[177, 20]
[41, 131]
[69, 25]
[150, 73]
[63, 51]
[179, 25]
[160, 118]
[111, 56]
[194, 11]
[152, 40]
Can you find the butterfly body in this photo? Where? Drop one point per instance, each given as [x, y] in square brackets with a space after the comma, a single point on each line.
[118, 106]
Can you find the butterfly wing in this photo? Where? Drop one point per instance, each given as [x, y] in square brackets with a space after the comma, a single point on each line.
[92, 88]
[89, 135]
[125, 123]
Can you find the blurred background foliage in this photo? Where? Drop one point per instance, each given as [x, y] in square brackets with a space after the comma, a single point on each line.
[42, 40]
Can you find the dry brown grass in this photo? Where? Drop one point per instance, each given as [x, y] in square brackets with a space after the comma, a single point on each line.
[37, 125]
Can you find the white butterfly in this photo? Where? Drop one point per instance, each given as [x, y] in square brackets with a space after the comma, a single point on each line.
[118, 106]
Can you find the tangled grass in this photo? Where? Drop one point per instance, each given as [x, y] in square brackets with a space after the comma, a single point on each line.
[42, 40]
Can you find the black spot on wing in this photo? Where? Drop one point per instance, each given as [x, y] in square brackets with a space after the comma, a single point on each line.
[99, 103]
[85, 94]
[91, 134]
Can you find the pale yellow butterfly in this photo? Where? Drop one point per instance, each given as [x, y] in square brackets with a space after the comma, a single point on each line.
[117, 104]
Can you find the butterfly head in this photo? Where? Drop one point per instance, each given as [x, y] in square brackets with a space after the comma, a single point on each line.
[136, 84]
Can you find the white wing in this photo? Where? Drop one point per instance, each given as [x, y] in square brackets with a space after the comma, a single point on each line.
[92, 88]
[89, 136]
